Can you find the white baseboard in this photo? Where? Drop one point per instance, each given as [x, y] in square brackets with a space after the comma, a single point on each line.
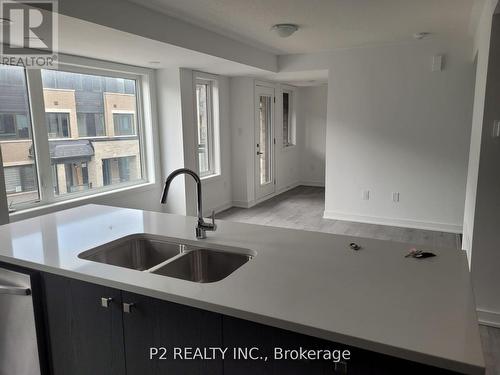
[405, 223]
[312, 183]
[245, 204]
[241, 204]
[220, 208]
[488, 318]
[285, 188]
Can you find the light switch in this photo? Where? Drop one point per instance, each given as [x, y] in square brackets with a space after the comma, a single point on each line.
[395, 197]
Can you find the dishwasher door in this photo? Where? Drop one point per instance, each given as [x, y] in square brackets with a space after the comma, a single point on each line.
[18, 337]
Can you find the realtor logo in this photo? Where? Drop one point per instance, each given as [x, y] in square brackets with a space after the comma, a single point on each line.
[29, 33]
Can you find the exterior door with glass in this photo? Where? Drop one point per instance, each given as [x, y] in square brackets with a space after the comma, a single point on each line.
[264, 141]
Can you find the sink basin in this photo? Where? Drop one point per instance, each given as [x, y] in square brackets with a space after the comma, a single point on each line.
[203, 265]
[138, 252]
[167, 257]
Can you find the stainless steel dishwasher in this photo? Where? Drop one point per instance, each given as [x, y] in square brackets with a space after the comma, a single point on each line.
[18, 334]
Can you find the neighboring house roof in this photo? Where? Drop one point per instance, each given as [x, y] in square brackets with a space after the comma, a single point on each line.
[70, 150]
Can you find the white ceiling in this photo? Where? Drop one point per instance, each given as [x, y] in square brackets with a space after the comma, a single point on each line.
[82, 38]
[324, 24]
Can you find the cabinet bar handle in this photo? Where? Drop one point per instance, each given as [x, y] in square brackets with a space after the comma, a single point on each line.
[127, 307]
[15, 290]
[105, 301]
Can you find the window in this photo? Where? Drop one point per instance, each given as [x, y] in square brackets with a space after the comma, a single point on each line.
[57, 125]
[288, 126]
[117, 170]
[206, 127]
[19, 164]
[76, 177]
[20, 179]
[91, 125]
[124, 124]
[95, 99]
[14, 126]
[80, 145]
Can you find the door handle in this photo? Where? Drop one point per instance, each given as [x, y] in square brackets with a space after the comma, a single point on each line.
[105, 301]
[127, 307]
[260, 153]
[15, 290]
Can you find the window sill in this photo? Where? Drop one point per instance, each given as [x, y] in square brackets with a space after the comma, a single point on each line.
[45, 208]
[212, 178]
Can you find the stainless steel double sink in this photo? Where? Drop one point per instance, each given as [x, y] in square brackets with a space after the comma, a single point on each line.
[160, 256]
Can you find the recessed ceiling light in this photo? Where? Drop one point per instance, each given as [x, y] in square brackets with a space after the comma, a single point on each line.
[284, 30]
[5, 20]
[421, 35]
[154, 62]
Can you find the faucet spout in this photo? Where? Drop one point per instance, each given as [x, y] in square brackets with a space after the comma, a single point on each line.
[202, 226]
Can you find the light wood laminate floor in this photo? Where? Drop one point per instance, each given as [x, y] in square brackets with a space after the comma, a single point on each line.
[302, 208]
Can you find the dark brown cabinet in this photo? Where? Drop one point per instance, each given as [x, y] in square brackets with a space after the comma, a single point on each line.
[159, 324]
[84, 337]
[238, 333]
[96, 330]
[91, 333]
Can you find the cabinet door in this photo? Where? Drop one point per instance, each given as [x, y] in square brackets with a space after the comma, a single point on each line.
[155, 323]
[238, 333]
[84, 336]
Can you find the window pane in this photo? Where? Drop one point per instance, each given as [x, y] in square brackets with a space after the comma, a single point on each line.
[287, 140]
[91, 125]
[118, 170]
[91, 113]
[124, 123]
[203, 103]
[57, 125]
[16, 143]
[265, 138]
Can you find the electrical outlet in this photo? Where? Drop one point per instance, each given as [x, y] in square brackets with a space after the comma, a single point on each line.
[395, 197]
[365, 195]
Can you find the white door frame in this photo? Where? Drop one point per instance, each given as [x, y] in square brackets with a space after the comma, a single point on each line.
[262, 190]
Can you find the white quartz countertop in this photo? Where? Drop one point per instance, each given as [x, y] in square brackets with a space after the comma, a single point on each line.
[308, 282]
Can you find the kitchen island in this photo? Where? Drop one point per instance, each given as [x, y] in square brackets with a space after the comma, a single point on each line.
[306, 283]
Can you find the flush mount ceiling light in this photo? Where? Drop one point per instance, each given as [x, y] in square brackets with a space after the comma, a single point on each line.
[421, 35]
[284, 30]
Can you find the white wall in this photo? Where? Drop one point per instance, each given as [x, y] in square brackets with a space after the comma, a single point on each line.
[396, 126]
[481, 52]
[311, 111]
[171, 135]
[242, 137]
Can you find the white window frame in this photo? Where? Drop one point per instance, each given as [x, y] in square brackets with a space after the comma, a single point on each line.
[213, 123]
[146, 127]
[292, 131]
